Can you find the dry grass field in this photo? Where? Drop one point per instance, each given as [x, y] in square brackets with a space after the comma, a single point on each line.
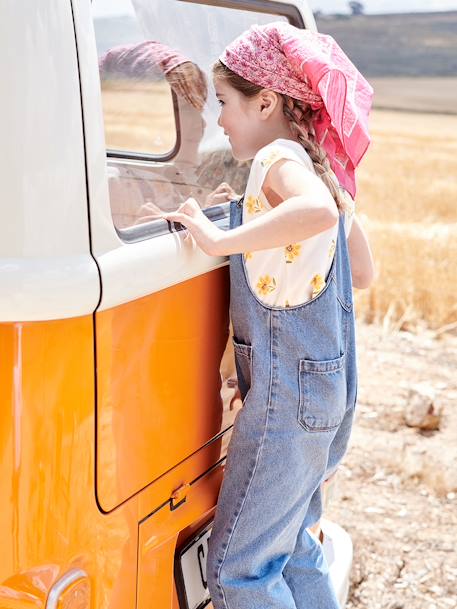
[416, 94]
[407, 198]
[409, 44]
[139, 116]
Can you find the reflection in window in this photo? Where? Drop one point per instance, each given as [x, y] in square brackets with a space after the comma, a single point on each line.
[155, 63]
[132, 122]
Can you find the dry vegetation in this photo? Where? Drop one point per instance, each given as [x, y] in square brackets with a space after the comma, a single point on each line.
[407, 198]
[416, 44]
[139, 116]
[398, 484]
[416, 94]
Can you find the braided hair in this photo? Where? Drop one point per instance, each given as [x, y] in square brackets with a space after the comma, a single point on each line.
[301, 117]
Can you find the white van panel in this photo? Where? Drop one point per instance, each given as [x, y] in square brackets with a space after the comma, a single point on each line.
[104, 235]
[39, 289]
[158, 264]
[306, 12]
[46, 270]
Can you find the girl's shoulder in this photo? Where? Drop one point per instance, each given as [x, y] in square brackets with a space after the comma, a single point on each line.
[282, 149]
[267, 156]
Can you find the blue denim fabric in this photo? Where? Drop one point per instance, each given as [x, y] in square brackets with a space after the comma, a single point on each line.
[297, 376]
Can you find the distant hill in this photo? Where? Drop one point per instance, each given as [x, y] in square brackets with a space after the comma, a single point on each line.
[416, 44]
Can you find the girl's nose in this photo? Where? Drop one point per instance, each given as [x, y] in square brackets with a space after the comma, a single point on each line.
[219, 121]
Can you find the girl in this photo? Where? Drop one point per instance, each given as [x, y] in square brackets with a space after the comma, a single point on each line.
[294, 103]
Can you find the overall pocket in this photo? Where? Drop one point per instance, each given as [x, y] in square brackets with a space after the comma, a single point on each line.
[322, 394]
[243, 363]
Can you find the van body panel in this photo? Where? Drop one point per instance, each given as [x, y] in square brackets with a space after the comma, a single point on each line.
[104, 237]
[159, 383]
[42, 169]
[158, 263]
[306, 12]
[160, 536]
[38, 289]
[49, 518]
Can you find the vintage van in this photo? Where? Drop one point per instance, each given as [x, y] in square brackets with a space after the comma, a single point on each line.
[117, 389]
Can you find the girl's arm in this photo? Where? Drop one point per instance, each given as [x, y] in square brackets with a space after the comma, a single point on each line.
[362, 265]
[306, 209]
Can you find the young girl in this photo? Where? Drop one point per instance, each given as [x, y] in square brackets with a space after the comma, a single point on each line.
[294, 103]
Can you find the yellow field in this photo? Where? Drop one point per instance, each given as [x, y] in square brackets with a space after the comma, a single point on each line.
[415, 93]
[407, 197]
[139, 116]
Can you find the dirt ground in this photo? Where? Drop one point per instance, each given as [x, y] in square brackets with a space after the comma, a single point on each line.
[397, 489]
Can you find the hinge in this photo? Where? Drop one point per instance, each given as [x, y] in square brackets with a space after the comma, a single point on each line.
[179, 496]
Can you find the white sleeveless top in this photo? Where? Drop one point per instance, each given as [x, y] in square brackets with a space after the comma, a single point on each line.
[290, 275]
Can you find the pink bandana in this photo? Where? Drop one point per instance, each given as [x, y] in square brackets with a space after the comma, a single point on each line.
[310, 67]
[139, 60]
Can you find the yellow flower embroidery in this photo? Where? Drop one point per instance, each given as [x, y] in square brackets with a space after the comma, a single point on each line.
[318, 284]
[253, 204]
[271, 158]
[287, 303]
[248, 255]
[266, 285]
[292, 251]
[332, 248]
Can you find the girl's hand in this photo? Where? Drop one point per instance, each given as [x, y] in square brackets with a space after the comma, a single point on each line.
[208, 237]
[222, 194]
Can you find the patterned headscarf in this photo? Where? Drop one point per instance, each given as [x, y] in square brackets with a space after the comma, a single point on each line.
[139, 60]
[310, 67]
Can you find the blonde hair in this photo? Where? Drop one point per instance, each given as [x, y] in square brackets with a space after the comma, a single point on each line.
[301, 119]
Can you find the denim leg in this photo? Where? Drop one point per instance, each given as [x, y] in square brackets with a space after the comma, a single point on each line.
[307, 573]
[271, 476]
[340, 442]
[308, 551]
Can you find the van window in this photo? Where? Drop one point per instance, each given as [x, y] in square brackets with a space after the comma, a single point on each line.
[160, 112]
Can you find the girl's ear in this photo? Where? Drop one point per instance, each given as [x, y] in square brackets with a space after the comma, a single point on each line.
[268, 102]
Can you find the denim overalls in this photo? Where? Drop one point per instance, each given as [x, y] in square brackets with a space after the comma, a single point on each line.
[297, 376]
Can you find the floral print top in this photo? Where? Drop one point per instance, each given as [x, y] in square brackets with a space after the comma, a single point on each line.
[290, 275]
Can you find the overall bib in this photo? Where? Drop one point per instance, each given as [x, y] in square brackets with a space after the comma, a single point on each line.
[297, 376]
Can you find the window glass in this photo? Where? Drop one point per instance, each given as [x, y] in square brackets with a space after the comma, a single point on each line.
[160, 110]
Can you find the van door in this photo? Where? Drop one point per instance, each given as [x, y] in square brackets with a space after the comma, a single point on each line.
[164, 386]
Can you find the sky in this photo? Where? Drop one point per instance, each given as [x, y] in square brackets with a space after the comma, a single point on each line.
[119, 7]
[386, 6]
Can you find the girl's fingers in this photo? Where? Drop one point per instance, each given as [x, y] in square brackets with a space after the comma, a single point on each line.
[181, 218]
[223, 193]
[222, 197]
[192, 203]
[187, 213]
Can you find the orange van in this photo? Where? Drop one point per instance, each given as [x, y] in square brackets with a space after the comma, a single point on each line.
[117, 389]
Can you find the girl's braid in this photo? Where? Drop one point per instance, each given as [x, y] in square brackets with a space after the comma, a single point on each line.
[300, 120]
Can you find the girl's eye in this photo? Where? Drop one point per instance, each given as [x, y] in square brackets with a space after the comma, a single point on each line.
[220, 102]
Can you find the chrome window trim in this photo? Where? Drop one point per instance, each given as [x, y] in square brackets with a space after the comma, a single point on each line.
[218, 214]
[131, 155]
[62, 584]
[282, 9]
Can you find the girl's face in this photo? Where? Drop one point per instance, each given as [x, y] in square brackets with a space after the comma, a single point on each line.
[240, 120]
